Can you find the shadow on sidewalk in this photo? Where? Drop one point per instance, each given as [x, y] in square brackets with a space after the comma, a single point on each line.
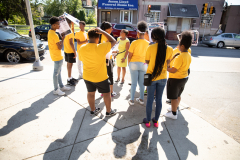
[30, 114]
[94, 127]
[178, 131]
[18, 75]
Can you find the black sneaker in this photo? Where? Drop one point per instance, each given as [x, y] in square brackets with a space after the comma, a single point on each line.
[168, 101]
[97, 110]
[112, 113]
[74, 79]
[71, 82]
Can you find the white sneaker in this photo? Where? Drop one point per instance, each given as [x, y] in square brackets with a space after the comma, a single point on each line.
[130, 102]
[65, 88]
[114, 94]
[80, 76]
[59, 92]
[139, 101]
[170, 115]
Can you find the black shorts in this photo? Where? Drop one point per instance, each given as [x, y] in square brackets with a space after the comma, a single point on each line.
[69, 57]
[175, 87]
[103, 87]
[110, 70]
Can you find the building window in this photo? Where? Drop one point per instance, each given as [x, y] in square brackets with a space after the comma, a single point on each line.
[126, 16]
[155, 18]
[106, 16]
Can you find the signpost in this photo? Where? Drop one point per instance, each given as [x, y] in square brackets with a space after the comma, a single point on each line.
[37, 66]
[148, 15]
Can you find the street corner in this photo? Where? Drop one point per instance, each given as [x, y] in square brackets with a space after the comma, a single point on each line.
[39, 125]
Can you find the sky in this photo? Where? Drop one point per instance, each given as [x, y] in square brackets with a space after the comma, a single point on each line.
[233, 2]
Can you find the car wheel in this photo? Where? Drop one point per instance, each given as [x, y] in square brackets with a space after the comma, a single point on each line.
[38, 36]
[236, 47]
[220, 45]
[12, 56]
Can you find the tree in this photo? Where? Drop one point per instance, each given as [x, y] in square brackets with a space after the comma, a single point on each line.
[58, 7]
[94, 3]
[9, 8]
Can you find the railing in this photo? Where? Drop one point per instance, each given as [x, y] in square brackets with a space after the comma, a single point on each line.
[23, 29]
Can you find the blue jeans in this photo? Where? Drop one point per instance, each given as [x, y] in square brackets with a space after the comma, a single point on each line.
[137, 71]
[159, 87]
[57, 79]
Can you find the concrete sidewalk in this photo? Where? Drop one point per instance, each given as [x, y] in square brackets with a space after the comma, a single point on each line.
[35, 124]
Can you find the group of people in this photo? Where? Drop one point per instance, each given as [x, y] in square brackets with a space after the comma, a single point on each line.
[145, 60]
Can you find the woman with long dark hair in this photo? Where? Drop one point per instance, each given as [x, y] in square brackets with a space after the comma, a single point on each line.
[107, 27]
[159, 54]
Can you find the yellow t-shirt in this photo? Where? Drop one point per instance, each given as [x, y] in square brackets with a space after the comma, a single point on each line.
[152, 52]
[67, 46]
[93, 57]
[104, 39]
[181, 63]
[82, 36]
[138, 48]
[176, 50]
[55, 53]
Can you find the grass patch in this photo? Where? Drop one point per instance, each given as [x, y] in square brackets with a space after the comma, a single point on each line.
[24, 30]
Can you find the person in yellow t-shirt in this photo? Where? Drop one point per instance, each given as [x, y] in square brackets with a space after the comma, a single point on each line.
[123, 47]
[175, 51]
[107, 27]
[158, 54]
[93, 57]
[70, 55]
[55, 47]
[178, 74]
[82, 38]
[136, 59]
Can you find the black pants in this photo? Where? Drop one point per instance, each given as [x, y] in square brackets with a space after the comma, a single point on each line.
[110, 70]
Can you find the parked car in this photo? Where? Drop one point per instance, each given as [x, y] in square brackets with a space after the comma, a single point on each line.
[8, 27]
[132, 35]
[223, 40]
[14, 47]
[41, 32]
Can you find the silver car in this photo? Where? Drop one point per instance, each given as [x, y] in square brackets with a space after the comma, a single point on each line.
[223, 40]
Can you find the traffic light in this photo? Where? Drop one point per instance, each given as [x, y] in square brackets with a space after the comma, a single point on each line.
[205, 8]
[211, 10]
[149, 8]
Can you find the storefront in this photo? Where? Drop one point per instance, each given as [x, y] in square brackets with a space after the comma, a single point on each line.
[180, 18]
[118, 11]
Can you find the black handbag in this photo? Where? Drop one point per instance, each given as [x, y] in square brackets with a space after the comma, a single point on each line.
[147, 79]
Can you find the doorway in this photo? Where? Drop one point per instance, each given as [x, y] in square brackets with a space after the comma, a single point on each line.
[105, 16]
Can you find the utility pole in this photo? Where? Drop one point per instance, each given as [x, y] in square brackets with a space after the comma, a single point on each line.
[37, 66]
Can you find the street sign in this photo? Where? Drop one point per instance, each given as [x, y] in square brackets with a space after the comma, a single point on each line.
[148, 15]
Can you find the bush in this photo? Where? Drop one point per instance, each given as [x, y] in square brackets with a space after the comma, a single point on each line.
[81, 15]
[91, 19]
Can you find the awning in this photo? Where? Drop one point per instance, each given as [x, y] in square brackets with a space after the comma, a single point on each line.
[183, 10]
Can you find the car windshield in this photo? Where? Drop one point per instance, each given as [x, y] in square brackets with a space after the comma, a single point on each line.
[7, 34]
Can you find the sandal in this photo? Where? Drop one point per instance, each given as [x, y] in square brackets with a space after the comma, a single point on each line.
[122, 82]
[118, 80]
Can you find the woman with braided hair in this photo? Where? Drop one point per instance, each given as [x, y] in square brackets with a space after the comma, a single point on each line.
[159, 54]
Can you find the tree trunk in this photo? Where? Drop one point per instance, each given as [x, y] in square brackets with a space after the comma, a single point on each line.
[25, 15]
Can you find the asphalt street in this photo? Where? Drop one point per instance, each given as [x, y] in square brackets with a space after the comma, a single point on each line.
[212, 91]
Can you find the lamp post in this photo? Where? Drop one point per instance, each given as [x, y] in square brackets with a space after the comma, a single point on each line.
[37, 66]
